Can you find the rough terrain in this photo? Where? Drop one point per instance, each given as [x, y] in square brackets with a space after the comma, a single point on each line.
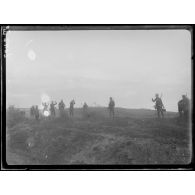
[133, 137]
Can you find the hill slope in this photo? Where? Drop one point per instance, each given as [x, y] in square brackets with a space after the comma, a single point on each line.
[133, 137]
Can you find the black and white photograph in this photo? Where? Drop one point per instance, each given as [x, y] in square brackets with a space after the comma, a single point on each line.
[98, 96]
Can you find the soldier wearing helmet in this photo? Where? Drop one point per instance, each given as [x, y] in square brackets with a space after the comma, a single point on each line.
[159, 106]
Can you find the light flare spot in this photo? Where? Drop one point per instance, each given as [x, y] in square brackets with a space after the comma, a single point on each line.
[46, 113]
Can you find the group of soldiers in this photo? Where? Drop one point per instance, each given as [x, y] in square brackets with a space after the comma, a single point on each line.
[34, 112]
[183, 108]
[50, 109]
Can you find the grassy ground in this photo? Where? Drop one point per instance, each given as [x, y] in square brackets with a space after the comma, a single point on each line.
[133, 137]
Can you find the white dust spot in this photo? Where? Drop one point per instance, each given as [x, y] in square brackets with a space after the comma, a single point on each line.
[31, 55]
[28, 43]
[46, 113]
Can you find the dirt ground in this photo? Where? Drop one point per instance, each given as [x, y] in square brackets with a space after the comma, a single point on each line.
[133, 137]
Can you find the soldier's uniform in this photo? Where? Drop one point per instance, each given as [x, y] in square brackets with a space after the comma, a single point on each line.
[180, 108]
[71, 110]
[32, 111]
[85, 106]
[45, 106]
[111, 106]
[36, 113]
[85, 109]
[184, 107]
[61, 107]
[52, 109]
[159, 106]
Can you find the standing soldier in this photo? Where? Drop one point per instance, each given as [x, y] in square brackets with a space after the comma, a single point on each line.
[184, 107]
[186, 104]
[45, 109]
[180, 107]
[37, 113]
[45, 106]
[71, 110]
[61, 107]
[52, 109]
[159, 106]
[85, 106]
[111, 106]
[32, 111]
[85, 109]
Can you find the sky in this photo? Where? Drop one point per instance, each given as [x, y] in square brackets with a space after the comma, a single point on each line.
[92, 65]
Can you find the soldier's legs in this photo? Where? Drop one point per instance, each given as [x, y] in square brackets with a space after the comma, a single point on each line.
[162, 114]
[37, 117]
[110, 113]
[186, 114]
[64, 113]
[71, 112]
[61, 113]
[32, 115]
[53, 113]
[180, 113]
[158, 112]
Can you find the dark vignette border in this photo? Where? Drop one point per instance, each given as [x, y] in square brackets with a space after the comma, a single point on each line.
[5, 28]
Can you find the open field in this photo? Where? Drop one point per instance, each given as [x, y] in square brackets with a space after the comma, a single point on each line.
[135, 136]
